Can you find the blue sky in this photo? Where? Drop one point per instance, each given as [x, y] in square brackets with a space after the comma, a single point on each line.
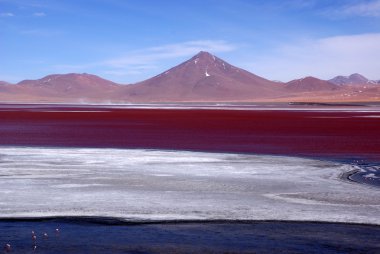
[128, 40]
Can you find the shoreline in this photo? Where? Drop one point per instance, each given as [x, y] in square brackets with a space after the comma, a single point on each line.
[116, 221]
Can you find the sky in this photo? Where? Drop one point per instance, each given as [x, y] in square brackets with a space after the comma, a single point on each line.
[128, 41]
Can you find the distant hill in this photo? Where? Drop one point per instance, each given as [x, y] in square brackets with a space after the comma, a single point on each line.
[70, 85]
[4, 83]
[8, 89]
[353, 79]
[310, 84]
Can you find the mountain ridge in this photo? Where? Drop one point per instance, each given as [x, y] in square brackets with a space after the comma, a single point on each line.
[203, 77]
[353, 79]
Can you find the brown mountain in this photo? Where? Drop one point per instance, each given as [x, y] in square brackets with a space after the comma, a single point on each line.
[204, 77]
[4, 86]
[2, 83]
[9, 89]
[353, 79]
[310, 84]
[70, 85]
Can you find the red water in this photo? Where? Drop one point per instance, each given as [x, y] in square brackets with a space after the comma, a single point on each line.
[308, 133]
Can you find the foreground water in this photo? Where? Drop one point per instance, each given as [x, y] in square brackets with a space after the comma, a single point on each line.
[98, 236]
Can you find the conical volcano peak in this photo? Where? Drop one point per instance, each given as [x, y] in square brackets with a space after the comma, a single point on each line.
[203, 77]
[204, 56]
[206, 61]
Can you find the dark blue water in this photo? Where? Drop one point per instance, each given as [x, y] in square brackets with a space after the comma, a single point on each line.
[369, 174]
[102, 236]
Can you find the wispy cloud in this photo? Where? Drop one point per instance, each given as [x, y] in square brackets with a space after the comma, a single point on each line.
[296, 4]
[7, 14]
[323, 58]
[39, 14]
[364, 9]
[149, 56]
[19, 3]
[144, 61]
[41, 32]
[123, 73]
[27, 4]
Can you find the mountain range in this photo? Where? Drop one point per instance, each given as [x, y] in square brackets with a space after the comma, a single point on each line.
[203, 78]
[353, 79]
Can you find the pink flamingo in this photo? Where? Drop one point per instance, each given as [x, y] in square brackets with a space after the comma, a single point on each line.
[7, 247]
[57, 232]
